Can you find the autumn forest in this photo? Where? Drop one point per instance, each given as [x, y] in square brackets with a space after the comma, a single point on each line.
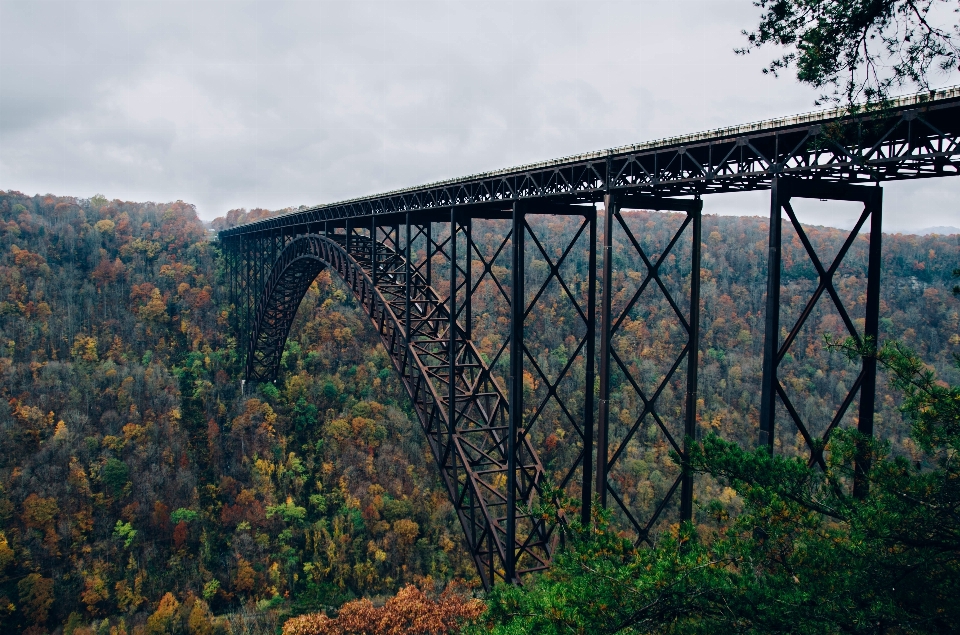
[142, 492]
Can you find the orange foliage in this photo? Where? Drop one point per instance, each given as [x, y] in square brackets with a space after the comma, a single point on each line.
[409, 612]
[245, 577]
[180, 534]
[39, 513]
[36, 597]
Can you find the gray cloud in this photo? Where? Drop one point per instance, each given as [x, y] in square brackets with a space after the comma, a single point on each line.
[230, 104]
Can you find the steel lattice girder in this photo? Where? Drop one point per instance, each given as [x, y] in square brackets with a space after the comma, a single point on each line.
[915, 137]
[468, 434]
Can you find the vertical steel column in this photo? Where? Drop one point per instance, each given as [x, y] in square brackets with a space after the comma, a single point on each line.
[373, 263]
[515, 424]
[408, 282]
[587, 468]
[234, 282]
[871, 329]
[346, 230]
[771, 336]
[452, 339]
[230, 254]
[261, 265]
[491, 549]
[693, 360]
[373, 249]
[429, 249]
[468, 279]
[606, 298]
[236, 246]
[245, 248]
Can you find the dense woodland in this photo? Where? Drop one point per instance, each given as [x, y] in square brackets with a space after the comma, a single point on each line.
[141, 492]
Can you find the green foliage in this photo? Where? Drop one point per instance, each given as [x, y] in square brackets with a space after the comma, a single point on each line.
[397, 509]
[288, 512]
[601, 583]
[183, 515]
[73, 621]
[124, 532]
[115, 474]
[270, 391]
[857, 48]
[330, 391]
[319, 502]
[210, 589]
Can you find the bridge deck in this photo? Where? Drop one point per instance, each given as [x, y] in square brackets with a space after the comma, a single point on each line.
[916, 136]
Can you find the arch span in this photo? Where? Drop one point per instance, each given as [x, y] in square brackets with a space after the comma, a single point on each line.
[465, 423]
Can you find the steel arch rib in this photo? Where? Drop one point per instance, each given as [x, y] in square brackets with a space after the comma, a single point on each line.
[474, 469]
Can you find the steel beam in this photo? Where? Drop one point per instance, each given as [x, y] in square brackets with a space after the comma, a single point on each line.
[517, 302]
[871, 333]
[693, 364]
[586, 500]
[603, 418]
[771, 338]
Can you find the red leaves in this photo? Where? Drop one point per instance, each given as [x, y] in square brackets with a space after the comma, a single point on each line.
[180, 534]
[29, 262]
[409, 612]
[108, 272]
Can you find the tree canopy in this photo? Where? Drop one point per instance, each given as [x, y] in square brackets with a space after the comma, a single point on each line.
[858, 50]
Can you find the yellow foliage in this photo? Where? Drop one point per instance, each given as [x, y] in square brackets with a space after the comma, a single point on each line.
[39, 513]
[105, 226]
[130, 597]
[201, 620]
[61, 432]
[339, 429]
[84, 349]
[156, 309]
[262, 472]
[94, 591]
[6, 553]
[161, 621]
[406, 531]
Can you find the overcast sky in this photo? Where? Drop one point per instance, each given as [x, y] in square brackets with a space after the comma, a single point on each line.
[274, 104]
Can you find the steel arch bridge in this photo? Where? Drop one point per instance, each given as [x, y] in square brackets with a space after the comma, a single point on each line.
[412, 261]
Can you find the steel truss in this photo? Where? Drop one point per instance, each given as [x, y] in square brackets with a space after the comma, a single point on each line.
[649, 393]
[411, 260]
[776, 347]
[425, 331]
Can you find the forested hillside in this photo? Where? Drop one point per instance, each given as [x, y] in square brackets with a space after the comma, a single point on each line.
[131, 467]
[138, 486]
